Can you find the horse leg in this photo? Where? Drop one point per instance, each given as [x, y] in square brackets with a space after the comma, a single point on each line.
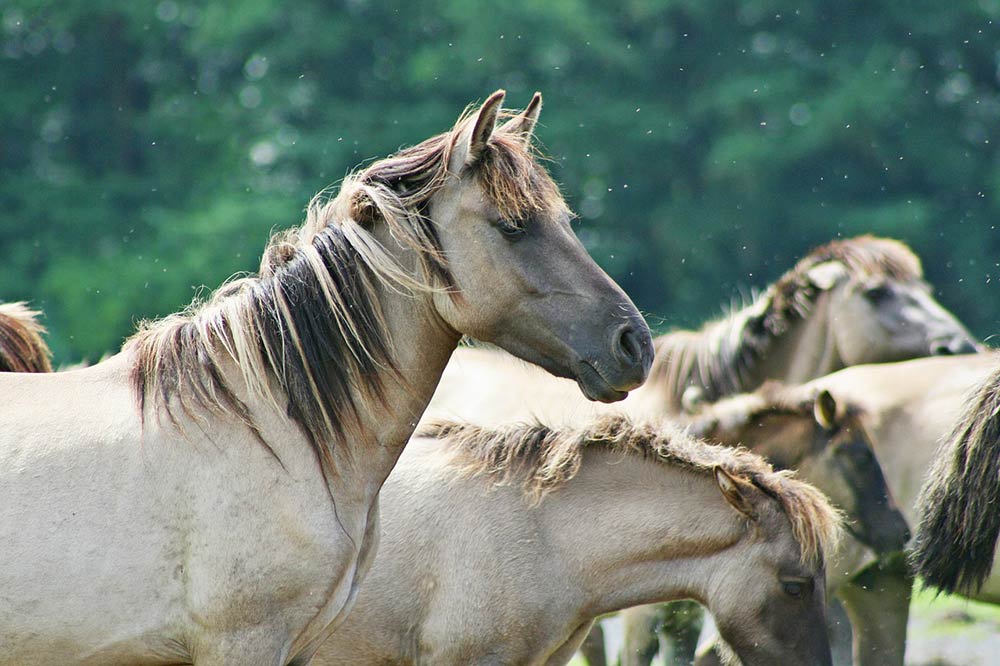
[681, 628]
[640, 642]
[878, 603]
[592, 648]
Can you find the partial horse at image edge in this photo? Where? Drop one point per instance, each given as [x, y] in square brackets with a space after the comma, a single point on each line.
[22, 347]
[959, 504]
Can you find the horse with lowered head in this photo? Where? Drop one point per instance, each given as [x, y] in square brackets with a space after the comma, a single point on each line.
[849, 302]
[211, 491]
[22, 348]
[501, 546]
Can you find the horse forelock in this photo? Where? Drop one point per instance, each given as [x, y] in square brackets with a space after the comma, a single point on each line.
[22, 347]
[721, 356]
[311, 321]
[542, 459]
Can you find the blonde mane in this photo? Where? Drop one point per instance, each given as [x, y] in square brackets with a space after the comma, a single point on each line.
[543, 459]
[22, 348]
[308, 334]
[722, 355]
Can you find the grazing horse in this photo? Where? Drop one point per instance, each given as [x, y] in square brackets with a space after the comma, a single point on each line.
[22, 348]
[826, 442]
[209, 495]
[853, 301]
[906, 409]
[959, 505]
[501, 546]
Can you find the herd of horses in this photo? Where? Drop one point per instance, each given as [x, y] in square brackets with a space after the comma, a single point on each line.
[308, 467]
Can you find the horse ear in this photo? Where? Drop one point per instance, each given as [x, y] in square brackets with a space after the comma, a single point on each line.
[471, 143]
[736, 492]
[524, 123]
[825, 410]
[825, 275]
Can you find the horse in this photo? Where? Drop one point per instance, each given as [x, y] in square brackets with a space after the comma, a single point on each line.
[825, 440]
[955, 546]
[501, 546]
[906, 409]
[208, 496]
[849, 302]
[22, 347]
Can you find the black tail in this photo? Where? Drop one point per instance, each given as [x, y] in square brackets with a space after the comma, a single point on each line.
[959, 505]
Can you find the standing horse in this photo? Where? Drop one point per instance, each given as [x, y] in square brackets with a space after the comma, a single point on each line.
[209, 495]
[907, 409]
[826, 442]
[852, 301]
[22, 348]
[501, 546]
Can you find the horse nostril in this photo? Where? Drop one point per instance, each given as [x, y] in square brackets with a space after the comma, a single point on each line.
[629, 348]
[941, 349]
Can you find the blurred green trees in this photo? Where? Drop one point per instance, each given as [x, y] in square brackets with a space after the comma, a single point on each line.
[147, 149]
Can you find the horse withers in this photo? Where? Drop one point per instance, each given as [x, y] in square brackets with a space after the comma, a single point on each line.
[210, 493]
[501, 546]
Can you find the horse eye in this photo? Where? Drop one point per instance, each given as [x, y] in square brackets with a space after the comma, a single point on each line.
[793, 588]
[510, 230]
[878, 294]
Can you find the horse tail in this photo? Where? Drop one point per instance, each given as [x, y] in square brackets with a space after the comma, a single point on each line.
[959, 505]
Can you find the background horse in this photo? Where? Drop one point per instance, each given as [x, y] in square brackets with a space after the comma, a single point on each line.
[827, 443]
[852, 301]
[501, 546]
[22, 348]
[907, 409]
[210, 492]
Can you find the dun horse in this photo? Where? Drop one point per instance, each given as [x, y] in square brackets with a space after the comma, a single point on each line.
[22, 348]
[853, 301]
[906, 409]
[502, 546]
[826, 442]
[209, 495]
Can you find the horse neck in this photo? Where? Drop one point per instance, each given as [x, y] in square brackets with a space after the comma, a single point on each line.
[423, 343]
[807, 349]
[653, 532]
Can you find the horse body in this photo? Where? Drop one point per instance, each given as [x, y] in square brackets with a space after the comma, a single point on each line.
[470, 571]
[209, 495]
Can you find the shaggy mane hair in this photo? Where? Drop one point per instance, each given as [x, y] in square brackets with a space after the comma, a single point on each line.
[542, 459]
[22, 348]
[720, 357]
[308, 334]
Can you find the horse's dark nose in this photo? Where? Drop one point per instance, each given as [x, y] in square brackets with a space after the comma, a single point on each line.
[953, 346]
[633, 347]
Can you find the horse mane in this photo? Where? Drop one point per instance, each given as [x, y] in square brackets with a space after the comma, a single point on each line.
[543, 459]
[308, 334]
[956, 535]
[22, 348]
[721, 357]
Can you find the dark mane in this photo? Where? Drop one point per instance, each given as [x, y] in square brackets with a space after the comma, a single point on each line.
[721, 357]
[308, 334]
[22, 348]
[543, 459]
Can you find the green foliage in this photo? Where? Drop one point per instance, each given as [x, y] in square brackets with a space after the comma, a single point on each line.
[147, 149]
